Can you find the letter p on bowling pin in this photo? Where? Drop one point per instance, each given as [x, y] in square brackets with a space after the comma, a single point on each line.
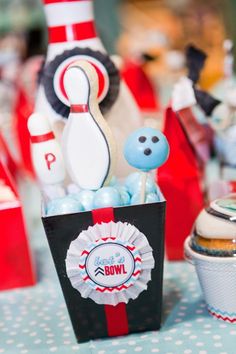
[50, 158]
[46, 153]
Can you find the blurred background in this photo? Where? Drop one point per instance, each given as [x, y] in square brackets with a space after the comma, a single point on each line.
[158, 28]
[147, 34]
[170, 23]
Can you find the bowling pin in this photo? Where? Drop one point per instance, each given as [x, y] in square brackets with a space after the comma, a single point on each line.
[46, 155]
[71, 27]
[88, 145]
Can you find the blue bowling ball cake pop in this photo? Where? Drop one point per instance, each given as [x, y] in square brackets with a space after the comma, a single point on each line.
[146, 149]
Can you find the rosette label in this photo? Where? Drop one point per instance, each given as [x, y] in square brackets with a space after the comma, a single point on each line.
[110, 265]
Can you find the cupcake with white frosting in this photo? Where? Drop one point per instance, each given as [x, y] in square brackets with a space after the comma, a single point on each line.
[212, 250]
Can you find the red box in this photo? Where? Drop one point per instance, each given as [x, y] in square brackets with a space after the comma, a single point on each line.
[15, 260]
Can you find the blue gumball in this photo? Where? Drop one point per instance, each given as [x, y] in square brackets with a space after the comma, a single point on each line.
[85, 197]
[134, 184]
[136, 199]
[150, 198]
[132, 178]
[121, 188]
[146, 149]
[64, 205]
[124, 194]
[106, 197]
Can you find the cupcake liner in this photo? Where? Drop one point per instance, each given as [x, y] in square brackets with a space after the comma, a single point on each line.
[217, 277]
[110, 263]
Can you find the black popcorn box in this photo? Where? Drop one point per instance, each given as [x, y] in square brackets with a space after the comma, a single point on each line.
[110, 266]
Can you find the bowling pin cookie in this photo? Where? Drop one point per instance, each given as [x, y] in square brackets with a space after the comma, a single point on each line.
[88, 145]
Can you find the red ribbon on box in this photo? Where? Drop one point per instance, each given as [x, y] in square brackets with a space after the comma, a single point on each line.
[116, 316]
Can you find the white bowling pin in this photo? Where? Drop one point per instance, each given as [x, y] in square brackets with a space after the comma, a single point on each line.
[87, 142]
[71, 25]
[46, 154]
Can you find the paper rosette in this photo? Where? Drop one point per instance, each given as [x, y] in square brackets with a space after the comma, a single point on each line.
[110, 263]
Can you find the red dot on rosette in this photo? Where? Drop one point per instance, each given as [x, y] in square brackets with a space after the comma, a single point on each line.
[101, 79]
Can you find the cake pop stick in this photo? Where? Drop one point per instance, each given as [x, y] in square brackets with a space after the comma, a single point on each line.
[146, 149]
[88, 144]
[143, 187]
[46, 155]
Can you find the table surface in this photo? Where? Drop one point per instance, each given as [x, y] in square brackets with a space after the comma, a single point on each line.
[35, 319]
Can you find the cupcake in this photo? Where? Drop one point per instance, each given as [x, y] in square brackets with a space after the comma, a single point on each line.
[215, 229]
[212, 250]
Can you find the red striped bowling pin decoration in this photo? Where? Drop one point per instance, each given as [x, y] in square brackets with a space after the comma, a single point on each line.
[88, 145]
[70, 24]
[46, 154]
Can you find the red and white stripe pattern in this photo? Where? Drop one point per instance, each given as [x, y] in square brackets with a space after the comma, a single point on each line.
[71, 20]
